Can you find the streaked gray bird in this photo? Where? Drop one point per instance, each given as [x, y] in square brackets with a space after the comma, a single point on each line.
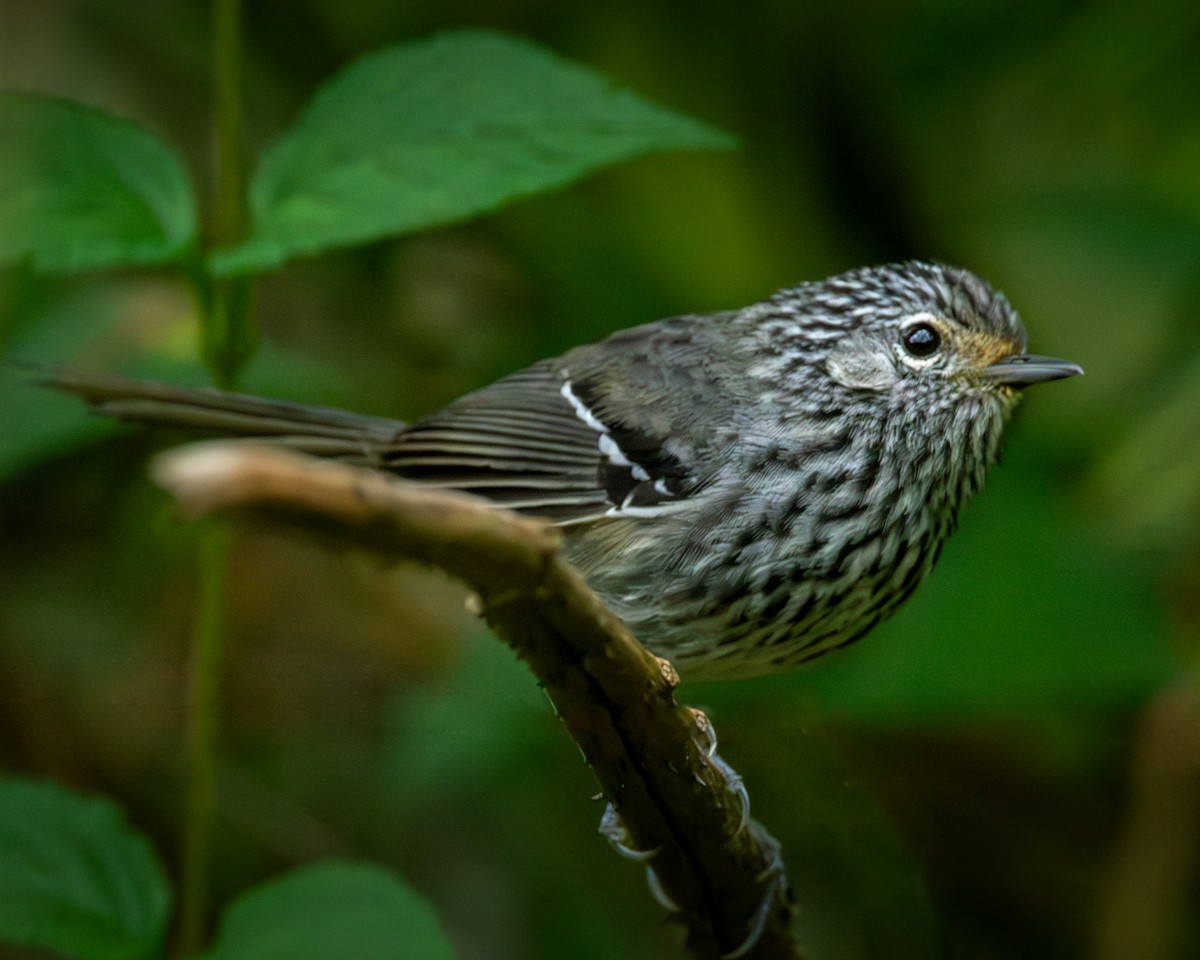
[747, 489]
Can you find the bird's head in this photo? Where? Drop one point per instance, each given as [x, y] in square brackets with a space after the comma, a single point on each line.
[920, 327]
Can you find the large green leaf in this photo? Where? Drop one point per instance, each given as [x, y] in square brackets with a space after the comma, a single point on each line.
[81, 189]
[332, 909]
[428, 133]
[75, 878]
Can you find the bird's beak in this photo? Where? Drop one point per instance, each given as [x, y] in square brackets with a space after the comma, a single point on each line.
[1022, 369]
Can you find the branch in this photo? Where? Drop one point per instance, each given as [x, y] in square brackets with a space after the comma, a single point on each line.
[673, 803]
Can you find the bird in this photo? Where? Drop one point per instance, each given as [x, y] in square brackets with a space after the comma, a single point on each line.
[746, 489]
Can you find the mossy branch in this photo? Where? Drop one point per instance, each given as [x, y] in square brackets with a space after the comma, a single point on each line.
[674, 804]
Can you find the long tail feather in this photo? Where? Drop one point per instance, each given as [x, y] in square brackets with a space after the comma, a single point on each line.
[324, 431]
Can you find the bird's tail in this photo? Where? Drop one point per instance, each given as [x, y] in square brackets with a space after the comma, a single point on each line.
[322, 431]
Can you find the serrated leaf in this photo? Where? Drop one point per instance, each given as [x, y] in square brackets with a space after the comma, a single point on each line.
[331, 909]
[425, 134]
[81, 189]
[75, 878]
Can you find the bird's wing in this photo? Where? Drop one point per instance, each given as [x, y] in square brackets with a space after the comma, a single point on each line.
[530, 442]
[555, 440]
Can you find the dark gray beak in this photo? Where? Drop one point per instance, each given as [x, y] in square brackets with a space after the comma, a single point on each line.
[1022, 369]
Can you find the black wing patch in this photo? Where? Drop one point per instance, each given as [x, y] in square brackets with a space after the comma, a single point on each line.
[529, 442]
[635, 470]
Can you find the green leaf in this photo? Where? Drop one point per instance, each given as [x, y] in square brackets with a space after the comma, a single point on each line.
[80, 189]
[332, 909]
[429, 133]
[75, 878]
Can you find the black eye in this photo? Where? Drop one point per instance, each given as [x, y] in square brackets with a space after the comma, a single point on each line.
[921, 340]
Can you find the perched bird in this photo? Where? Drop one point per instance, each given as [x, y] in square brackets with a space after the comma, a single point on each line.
[747, 489]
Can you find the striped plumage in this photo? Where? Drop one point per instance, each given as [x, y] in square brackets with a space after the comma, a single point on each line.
[746, 489]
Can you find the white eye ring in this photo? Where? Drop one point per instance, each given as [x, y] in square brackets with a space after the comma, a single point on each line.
[921, 340]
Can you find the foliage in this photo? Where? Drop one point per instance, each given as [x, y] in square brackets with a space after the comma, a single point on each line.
[422, 135]
[75, 878]
[86, 190]
[405, 139]
[319, 911]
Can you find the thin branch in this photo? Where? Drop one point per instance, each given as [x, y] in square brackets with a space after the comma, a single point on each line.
[674, 804]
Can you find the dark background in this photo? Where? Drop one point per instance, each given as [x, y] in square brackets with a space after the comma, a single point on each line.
[1008, 769]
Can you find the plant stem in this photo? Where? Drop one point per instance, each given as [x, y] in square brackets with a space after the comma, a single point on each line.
[227, 342]
[207, 632]
[229, 210]
[227, 334]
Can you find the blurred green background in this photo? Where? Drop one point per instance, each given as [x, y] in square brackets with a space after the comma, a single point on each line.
[1010, 768]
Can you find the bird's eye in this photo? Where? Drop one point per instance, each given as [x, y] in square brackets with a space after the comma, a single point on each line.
[921, 340]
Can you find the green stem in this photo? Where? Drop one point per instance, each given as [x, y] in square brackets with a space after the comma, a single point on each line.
[203, 681]
[227, 342]
[229, 210]
[228, 339]
[227, 334]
